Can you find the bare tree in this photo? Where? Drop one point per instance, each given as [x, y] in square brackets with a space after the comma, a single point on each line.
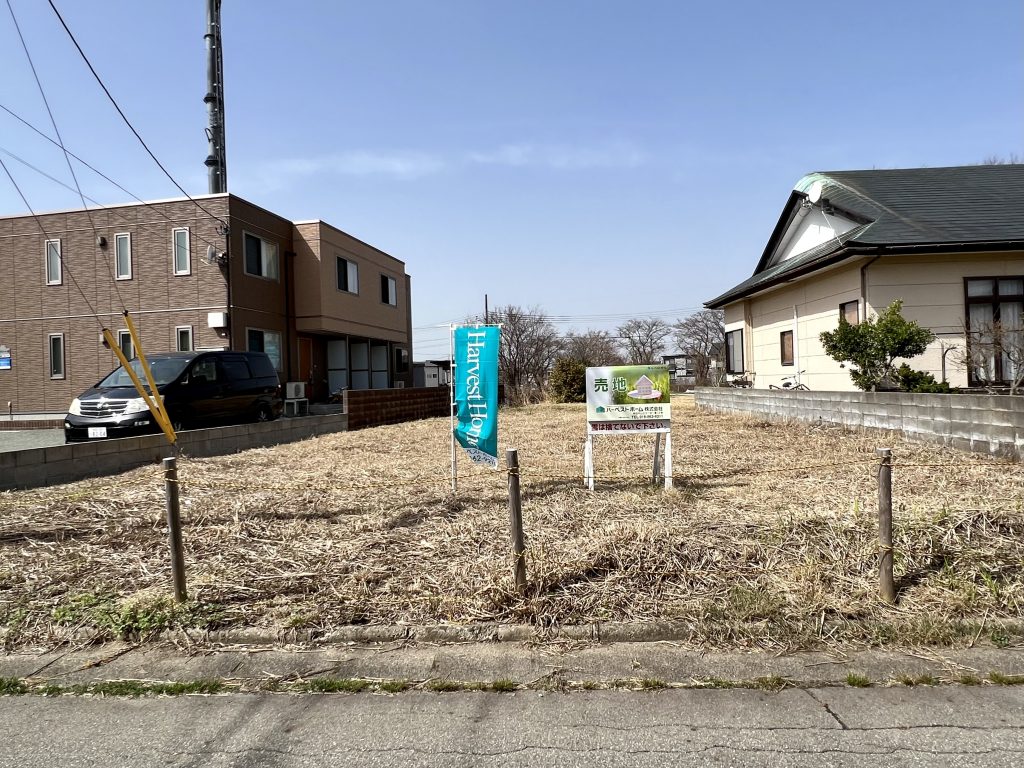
[529, 346]
[994, 355]
[643, 340]
[592, 348]
[702, 337]
[1013, 159]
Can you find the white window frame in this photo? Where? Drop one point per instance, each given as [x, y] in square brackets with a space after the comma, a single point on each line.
[118, 275]
[279, 363]
[121, 336]
[351, 275]
[264, 261]
[50, 279]
[191, 338]
[392, 290]
[62, 373]
[174, 251]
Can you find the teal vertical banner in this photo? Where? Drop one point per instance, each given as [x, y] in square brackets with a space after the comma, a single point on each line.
[476, 392]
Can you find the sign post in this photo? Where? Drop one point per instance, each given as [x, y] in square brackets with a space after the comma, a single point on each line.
[624, 400]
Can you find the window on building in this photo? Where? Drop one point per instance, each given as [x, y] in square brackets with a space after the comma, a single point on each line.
[995, 322]
[786, 347]
[183, 338]
[182, 248]
[123, 256]
[260, 257]
[56, 345]
[388, 290]
[850, 311]
[259, 340]
[734, 352]
[124, 341]
[401, 360]
[54, 266]
[348, 276]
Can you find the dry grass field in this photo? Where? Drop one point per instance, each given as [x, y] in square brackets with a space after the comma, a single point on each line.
[768, 540]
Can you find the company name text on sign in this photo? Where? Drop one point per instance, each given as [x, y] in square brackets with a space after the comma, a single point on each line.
[476, 392]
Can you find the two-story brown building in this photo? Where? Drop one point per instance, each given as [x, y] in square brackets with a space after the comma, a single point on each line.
[215, 272]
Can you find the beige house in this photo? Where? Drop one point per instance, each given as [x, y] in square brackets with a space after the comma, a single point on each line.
[948, 242]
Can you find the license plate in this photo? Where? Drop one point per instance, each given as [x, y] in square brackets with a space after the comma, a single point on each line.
[97, 431]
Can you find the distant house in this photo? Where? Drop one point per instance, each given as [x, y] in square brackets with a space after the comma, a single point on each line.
[213, 272]
[949, 242]
[431, 373]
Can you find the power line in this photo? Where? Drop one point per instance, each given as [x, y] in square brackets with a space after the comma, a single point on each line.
[60, 140]
[92, 168]
[46, 239]
[126, 120]
[595, 318]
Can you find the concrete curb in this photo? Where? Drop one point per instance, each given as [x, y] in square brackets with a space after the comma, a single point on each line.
[605, 632]
[608, 632]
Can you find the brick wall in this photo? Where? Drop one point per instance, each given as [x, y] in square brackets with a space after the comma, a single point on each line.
[372, 407]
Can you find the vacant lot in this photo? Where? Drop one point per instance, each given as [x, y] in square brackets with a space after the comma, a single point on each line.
[768, 539]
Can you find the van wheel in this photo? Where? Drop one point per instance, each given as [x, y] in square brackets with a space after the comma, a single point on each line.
[264, 414]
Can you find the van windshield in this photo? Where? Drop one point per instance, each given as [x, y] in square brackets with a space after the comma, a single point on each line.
[164, 371]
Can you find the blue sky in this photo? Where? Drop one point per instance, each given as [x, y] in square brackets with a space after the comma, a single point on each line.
[587, 157]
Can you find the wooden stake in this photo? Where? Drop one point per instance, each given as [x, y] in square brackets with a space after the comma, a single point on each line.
[174, 529]
[886, 586]
[515, 513]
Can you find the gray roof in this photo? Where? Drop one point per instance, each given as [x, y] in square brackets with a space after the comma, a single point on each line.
[907, 210]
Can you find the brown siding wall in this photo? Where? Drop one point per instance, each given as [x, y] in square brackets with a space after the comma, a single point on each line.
[89, 297]
[373, 407]
[258, 302]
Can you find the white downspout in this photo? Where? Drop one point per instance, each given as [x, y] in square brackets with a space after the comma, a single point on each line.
[796, 342]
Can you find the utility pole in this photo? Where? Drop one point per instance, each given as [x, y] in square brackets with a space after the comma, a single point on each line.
[487, 314]
[216, 160]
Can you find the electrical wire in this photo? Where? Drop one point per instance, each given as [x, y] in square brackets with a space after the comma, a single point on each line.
[95, 170]
[60, 141]
[126, 120]
[46, 238]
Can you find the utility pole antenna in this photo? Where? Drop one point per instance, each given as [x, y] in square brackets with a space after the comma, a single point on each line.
[216, 160]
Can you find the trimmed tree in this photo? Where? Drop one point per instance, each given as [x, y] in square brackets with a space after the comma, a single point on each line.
[568, 382]
[872, 347]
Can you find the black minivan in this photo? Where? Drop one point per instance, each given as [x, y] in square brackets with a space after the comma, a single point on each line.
[198, 388]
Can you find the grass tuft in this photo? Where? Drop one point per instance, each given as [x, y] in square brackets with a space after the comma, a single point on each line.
[12, 686]
[334, 685]
[856, 680]
[1002, 679]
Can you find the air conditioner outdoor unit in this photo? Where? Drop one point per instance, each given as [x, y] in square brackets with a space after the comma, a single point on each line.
[399, 385]
[294, 390]
[217, 319]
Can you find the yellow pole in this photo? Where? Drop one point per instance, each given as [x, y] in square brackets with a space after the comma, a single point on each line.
[145, 368]
[159, 415]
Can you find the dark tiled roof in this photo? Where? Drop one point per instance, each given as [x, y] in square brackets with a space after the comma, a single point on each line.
[903, 209]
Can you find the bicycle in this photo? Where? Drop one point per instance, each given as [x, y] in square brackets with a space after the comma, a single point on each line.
[740, 381]
[791, 382]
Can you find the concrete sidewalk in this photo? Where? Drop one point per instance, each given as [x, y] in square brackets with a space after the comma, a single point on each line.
[553, 665]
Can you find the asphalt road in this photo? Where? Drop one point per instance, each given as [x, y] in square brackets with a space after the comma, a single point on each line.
[935, 727]
[22, 440]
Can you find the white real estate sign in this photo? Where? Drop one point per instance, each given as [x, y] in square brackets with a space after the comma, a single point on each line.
[626, 400]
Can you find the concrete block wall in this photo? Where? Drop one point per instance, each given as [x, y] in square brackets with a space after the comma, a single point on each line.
[991, 424]
[372, 407]
[68, 463]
